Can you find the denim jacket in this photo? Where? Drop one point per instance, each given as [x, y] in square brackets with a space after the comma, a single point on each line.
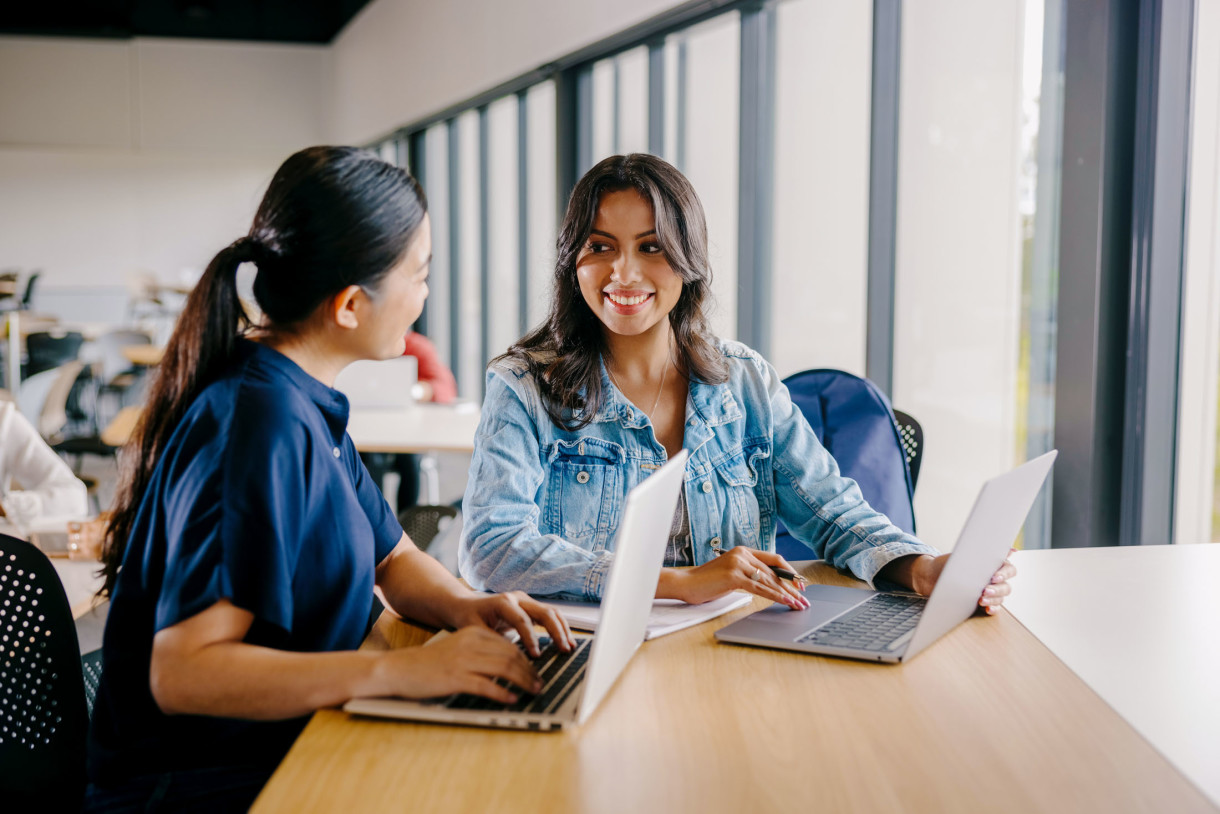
[542, 503]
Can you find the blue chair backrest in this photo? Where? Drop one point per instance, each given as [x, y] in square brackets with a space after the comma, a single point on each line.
[854, 421]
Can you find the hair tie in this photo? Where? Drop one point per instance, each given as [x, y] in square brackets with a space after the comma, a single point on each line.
[251, 250]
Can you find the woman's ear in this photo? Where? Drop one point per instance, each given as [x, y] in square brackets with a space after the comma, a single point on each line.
[344, 307]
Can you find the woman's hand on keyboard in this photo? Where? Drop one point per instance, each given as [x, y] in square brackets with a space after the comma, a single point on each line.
[468, 661]
[517, 611]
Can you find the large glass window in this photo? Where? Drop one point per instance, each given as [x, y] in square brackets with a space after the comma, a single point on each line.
[502, 228]
[1038, 212]
[820, 250]
[1197, 485]
[632, 101]
[709, 103]
[542, 227]
[436, 175]
[620, 104]
[962, 223]
[468, 266]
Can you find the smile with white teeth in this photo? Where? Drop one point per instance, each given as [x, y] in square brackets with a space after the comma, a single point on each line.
[620, 300]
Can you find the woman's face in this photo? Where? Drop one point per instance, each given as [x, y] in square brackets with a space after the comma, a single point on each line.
[399, 300]
[624, 275]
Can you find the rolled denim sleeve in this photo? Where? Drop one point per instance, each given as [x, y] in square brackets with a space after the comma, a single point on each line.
[822, 508]
[501, 546]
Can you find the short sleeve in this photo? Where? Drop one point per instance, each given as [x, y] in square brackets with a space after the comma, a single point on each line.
[387, 531]
[234, 514]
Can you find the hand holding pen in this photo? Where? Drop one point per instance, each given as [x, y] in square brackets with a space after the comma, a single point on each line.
[739, 568]
[783, 573]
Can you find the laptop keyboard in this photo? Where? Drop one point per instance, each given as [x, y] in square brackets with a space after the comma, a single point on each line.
[882, 623]
[561, 673]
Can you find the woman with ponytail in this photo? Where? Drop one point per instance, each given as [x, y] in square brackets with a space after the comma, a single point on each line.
[247, 538]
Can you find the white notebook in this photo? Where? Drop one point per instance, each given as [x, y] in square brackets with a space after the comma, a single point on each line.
[668, 615]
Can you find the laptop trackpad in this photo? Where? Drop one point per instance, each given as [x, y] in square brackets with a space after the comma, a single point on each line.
[779, 621]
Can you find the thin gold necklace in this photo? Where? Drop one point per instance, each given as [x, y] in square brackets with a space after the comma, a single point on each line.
[660, 389]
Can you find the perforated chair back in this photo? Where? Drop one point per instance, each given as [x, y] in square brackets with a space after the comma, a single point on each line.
[911, 434]
[44, 719]
[423, 523]
[854, 421]
[91, 667]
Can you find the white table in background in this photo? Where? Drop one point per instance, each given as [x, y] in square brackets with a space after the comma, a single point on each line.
[419, 428]
[1139, 625]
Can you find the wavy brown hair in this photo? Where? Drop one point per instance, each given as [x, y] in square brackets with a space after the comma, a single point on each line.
[332, 217]
[563, 353]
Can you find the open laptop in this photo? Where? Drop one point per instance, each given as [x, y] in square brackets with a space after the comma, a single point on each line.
[575, 683]
[893, 627]
[376, 384]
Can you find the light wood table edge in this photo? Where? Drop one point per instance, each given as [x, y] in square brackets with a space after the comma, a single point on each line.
[1122, 757]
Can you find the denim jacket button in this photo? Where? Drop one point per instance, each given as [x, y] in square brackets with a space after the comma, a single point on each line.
[707, 486]
[582, 477]
[715, 544]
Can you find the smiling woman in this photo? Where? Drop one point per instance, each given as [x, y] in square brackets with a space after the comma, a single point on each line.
[622, 376]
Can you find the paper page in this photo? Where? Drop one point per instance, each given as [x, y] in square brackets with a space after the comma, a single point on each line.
[668, 615]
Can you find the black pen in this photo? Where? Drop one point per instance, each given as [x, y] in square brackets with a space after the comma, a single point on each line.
[784, 573]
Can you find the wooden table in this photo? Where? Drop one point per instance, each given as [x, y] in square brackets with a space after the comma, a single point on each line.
[986, 720]
[144, 355]
[1138, 625]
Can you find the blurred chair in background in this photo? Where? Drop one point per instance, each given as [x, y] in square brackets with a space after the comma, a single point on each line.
[8, 289]
[117, 381]
[48, 349]
[27, 299]
[46, 400]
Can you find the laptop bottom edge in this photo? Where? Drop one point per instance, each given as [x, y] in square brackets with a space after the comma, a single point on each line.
[398, 709]
[816, 649]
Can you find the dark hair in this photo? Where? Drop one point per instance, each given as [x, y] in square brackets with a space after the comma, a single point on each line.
[563, 353]
[332, 217]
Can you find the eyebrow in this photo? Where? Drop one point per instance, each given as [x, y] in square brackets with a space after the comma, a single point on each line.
[612, 237]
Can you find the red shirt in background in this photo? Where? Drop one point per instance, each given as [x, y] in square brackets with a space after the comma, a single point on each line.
[431, 369]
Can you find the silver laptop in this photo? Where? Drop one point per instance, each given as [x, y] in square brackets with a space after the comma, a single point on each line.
[893, 627]
[575, 683]
[379, 384]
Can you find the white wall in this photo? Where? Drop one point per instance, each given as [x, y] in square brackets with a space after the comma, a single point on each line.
[146, 154]
[1200, 360]
[957, 298]
[400, 60]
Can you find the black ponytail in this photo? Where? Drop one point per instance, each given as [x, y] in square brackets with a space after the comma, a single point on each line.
[332, 217]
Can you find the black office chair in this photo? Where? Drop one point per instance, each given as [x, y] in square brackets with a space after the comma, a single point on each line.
[423, 523]
[27, 299]
[44, 718]
[50, 349]
[91, 667]
[912, 443]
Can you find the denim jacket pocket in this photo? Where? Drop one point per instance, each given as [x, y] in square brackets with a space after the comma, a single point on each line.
[739, 480]
[583, 492]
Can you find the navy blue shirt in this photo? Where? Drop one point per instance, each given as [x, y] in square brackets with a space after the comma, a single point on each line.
[259, 498]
